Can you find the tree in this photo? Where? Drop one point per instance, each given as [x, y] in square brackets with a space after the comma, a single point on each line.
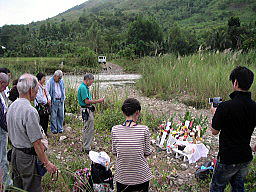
[218, 39]
[94, 37]
[141, 32]
[235, 32]
[181, 41]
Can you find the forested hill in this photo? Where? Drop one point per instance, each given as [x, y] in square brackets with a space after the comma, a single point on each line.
[196, 14]
[135, 28]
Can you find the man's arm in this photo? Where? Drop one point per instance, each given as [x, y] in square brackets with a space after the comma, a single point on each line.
[216, 121]
[47, 88]
[88, 102]
[39, 148]
[39, 96]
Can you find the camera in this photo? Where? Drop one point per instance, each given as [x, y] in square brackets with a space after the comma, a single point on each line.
[215, 101]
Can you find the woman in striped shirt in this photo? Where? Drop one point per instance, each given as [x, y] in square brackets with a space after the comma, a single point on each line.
[131, 145]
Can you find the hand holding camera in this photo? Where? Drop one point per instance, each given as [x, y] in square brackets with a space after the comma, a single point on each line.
[215, 101]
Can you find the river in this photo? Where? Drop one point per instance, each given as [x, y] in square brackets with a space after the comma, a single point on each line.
[104, 81]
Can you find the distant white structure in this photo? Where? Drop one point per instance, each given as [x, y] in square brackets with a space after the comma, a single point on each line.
[102, 59]
[61, 64]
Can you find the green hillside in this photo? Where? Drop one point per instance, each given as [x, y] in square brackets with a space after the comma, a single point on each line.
[195, 14]
[135, 28]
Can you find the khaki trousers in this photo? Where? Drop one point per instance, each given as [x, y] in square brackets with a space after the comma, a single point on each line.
[88, 131]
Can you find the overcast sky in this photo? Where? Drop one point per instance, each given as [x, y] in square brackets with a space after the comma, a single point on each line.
[26, 11]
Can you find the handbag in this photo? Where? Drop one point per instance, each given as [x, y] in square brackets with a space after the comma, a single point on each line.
[43, 109]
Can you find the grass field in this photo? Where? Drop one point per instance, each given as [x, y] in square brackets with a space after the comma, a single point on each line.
[192, 79]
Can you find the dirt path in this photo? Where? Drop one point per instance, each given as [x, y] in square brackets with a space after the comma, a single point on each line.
[111, 68]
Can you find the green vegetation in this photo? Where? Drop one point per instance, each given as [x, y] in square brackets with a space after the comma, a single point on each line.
[68, 158]
[117, 27]
[192, 14]
[48, 65]
[184, 36]
[198, 76]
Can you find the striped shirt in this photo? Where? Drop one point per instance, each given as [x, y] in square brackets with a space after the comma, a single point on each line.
[131, 145]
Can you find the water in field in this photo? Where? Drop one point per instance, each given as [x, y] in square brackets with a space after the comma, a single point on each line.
[104, 81]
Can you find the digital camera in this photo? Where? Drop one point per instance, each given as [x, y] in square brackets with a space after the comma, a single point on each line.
[215, 101]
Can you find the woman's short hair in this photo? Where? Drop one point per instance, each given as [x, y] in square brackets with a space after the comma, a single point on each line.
[5, 70]
[26, 82]
[130, 106]
[39, 76]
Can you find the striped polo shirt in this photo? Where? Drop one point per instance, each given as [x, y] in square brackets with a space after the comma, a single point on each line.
[131, 145]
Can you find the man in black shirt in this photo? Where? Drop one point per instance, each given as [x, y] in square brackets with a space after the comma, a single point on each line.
[235, 120]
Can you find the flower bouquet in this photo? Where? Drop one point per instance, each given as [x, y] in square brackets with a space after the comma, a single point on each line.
[188, 128]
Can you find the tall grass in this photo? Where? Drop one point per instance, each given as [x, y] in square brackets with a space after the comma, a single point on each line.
[200, 76]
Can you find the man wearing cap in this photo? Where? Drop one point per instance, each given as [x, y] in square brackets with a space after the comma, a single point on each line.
[27, 138]
[85, 101]
[4, 81]
[56, 90]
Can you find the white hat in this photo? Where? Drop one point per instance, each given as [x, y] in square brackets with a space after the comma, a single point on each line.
[100, 158]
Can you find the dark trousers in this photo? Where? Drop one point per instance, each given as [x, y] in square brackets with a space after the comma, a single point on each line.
[24, 172]
[234, 173]
[143, 187]
[44, 119]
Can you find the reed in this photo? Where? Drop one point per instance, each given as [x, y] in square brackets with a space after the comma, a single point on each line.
[197, 76]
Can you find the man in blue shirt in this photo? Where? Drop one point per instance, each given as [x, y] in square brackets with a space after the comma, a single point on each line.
[85, 101]
[235, 121]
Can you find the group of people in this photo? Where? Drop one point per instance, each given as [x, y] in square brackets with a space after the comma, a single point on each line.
[234, 120]
[27, 127]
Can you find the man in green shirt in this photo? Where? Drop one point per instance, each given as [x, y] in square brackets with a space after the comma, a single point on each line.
[85, 101]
